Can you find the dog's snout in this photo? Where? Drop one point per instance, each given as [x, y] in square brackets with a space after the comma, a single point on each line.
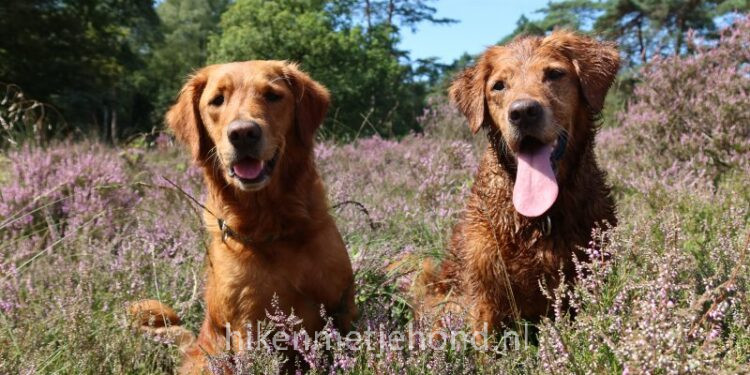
[244, 133]
[525, 112]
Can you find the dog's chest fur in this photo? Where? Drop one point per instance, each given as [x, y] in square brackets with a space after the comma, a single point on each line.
[498, 246]
[244, 282]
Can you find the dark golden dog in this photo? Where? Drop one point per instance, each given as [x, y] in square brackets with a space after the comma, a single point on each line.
[538, 192]
[250, 126]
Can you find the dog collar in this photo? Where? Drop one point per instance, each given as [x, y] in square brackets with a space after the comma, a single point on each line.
[228, 232]
[559, 151]
[546, 225]
[557, 155]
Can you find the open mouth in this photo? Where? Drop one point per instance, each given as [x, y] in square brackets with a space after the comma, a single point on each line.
[535, 189]
[251, 171]
[530, 144]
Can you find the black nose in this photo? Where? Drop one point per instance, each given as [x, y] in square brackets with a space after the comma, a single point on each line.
[243, 134]
[525, 113]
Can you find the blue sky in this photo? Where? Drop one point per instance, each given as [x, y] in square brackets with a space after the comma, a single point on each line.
[482, 23]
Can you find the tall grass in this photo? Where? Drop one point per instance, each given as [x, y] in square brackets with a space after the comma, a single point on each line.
[25, 120]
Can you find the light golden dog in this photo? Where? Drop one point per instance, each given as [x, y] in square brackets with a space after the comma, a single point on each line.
[250, 126]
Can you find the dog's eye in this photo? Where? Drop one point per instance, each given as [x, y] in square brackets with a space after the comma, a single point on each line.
[272, 96]
[499, 86]
[553, 74]
[217, 100]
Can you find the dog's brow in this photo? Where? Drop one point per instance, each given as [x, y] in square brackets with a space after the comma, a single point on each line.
[224, 82]
[504, 62]
[509, 61]
[288, 81]
[276, 79]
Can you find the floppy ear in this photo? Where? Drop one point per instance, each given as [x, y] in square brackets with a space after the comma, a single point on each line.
[185, 120]
[311, 103]
[467, 92]
[596, 64]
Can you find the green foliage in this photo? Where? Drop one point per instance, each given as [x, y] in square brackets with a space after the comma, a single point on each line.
[185, 27]
[642, 28]
[408, 13]
[567, 14]
[80, 56]
[373, 92]
[655, 27]
[113, 67]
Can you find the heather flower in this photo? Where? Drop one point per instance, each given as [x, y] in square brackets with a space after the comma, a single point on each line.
[688, 123]
[8, 288]
[64, 188]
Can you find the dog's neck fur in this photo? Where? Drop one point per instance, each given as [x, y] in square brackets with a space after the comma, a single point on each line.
[282, 210]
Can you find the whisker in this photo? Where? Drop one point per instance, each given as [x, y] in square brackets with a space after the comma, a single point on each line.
[559, 130]
[214, 158]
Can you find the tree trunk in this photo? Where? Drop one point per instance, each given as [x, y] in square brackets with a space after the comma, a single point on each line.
[391, 11]
[368, 14]
[681, 21]
[641, 43]
[105, 122]
[113, 126]
[680, 32]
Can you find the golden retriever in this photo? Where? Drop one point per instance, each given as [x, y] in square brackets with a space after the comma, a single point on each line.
[250, 126]
[538, 192]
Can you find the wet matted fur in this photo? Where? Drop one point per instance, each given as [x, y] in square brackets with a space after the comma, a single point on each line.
[498, 258]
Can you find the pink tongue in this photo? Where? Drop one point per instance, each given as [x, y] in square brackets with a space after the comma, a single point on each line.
[536, 188]
[248, 168]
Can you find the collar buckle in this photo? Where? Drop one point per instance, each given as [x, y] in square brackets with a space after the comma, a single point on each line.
[546, 226]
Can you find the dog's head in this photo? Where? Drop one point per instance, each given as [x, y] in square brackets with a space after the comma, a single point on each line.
[535, 93]
[242, 119]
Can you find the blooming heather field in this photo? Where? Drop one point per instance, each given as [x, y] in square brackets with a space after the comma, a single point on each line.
[86, 228]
